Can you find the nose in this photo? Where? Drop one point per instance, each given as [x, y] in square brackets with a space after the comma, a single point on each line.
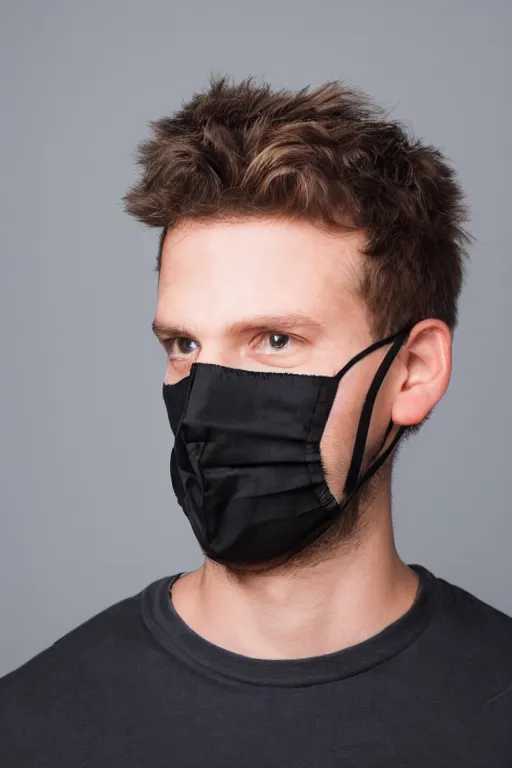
[212, 352]
[216, 352]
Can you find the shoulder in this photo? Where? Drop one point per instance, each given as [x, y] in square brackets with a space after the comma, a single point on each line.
[59, 688]
[474, 643]
[68, 657]
[78, 647]
[479, 623]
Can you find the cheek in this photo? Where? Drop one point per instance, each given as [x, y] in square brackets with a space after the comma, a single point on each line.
[337, 443]
[168, 373]
[337, 440]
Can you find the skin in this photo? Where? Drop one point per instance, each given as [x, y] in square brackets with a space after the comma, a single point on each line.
[352, 583]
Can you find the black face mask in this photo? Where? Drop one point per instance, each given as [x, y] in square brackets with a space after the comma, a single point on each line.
[246, 465]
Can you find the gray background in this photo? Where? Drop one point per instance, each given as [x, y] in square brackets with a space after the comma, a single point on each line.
[87, 511]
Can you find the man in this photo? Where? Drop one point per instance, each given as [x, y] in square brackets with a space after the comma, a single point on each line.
[310, 265]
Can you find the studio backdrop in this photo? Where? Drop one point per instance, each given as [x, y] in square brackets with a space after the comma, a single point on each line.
[88, 514]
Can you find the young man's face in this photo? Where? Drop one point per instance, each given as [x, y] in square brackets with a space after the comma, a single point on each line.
[273, 296]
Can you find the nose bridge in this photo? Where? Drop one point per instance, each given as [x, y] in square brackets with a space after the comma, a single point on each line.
[216, 350]
[220, 349]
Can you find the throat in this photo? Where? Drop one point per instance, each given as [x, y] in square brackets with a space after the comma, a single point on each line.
[295, 616]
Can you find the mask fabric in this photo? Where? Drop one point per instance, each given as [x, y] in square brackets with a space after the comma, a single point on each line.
[246, 466]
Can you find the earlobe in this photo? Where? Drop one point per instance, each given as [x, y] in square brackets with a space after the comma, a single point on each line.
[426, 360]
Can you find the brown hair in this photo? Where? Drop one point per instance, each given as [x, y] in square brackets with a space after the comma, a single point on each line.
[328, 156]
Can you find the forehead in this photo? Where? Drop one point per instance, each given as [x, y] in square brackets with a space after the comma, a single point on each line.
[225, 270]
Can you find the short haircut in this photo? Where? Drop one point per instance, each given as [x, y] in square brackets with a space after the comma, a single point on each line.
[328, 156]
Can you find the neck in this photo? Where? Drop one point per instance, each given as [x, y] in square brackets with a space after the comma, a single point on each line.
[307, 611]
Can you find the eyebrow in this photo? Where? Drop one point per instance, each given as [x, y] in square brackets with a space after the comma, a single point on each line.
[257, 323]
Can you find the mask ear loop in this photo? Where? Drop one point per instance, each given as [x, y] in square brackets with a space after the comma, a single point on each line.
[369, 350]
[352, 481]
[382, 458]
[374, 467]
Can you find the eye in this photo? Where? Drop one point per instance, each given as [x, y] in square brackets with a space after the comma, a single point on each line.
[279, 340]
[180, 346]
[276, 342]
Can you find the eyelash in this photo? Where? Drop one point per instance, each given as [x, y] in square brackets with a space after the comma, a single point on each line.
[168, 343]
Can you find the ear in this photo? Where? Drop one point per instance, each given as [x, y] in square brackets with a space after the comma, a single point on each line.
[424, 366]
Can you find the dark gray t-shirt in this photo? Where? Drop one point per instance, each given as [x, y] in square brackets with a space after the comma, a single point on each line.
[135, 687]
